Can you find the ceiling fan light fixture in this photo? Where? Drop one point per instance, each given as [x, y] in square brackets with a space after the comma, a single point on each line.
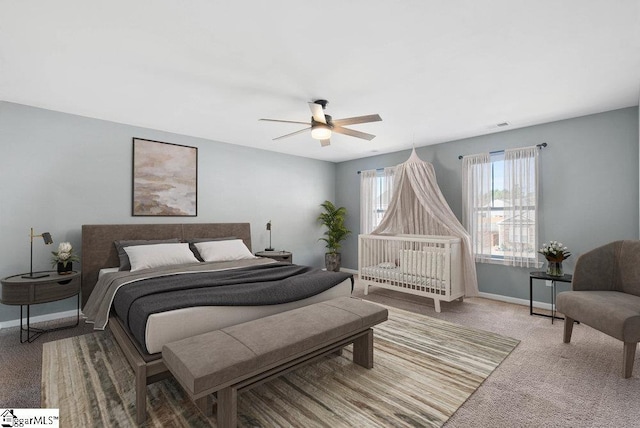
[321, 132]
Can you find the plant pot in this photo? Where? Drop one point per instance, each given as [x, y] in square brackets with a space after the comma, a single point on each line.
[65, 270]
[332, 261]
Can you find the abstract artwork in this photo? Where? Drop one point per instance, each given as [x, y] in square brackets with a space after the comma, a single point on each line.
[165, 179]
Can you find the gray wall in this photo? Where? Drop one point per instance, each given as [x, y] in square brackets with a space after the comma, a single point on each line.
[60, 171]
[588, 197]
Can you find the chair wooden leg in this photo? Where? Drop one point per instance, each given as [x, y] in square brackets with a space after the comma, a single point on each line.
[628, 357]
[568, 329]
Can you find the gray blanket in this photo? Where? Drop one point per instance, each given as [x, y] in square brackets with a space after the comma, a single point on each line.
[98, 305]
[264, 284]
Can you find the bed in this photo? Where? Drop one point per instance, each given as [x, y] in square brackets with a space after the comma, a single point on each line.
[429, 266]
[141, 343]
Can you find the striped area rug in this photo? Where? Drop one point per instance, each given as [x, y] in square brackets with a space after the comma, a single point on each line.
[424, 370]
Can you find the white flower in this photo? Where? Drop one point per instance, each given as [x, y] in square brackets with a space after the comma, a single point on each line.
[65, 247]
[63, 256]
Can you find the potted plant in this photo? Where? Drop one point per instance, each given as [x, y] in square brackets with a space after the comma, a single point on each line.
[333, 218]
[64, 258]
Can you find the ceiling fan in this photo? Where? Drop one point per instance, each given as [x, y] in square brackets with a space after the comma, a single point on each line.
[322, 125]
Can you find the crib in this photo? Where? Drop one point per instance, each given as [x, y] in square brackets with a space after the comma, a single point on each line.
[429, 266]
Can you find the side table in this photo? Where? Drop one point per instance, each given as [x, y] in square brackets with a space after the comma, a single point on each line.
[281, 256]
[30, 291]
[544, 276]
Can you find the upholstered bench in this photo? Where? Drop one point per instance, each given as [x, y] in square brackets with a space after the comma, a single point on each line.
[235, 358]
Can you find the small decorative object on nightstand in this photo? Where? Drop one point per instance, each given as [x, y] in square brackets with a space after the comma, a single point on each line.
[63, 258]
[281, 256]
[46, 236]
[23, 291]
[269, 229]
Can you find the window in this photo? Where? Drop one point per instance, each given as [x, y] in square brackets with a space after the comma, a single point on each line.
[500, 206]
[376, 187]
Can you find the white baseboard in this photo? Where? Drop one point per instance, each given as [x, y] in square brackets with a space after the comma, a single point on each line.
[524, 302]
[40, 318]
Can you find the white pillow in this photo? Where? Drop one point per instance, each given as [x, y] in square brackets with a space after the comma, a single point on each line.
[221, 251]
[157, 255]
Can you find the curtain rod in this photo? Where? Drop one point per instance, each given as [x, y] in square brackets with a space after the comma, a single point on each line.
[540, 146]
[377, 169]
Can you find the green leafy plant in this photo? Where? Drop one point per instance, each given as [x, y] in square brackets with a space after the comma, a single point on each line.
[333, 218]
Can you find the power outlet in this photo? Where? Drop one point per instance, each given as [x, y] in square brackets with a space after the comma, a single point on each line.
[548, 283]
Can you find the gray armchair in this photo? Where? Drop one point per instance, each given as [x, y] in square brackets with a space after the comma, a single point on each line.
[606, 296]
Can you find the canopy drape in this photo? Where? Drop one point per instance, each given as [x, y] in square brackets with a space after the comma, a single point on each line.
[418, 207]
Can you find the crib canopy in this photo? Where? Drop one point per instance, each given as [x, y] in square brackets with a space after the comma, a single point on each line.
[418, 207]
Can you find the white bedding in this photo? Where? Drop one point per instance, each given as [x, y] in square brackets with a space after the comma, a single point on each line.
[174, 325]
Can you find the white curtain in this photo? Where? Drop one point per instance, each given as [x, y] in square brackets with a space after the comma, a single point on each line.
[375, 193]
[503, 231]
[476, 203]
[521, 206]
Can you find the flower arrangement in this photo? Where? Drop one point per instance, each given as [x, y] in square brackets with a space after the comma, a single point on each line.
[554, 251]
[64, 254]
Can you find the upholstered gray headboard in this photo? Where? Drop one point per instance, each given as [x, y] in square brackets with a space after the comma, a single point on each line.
[98, 250]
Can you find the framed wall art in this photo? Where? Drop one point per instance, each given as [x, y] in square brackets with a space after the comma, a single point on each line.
[165, 179]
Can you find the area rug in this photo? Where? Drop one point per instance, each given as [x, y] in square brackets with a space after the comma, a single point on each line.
[424, 370]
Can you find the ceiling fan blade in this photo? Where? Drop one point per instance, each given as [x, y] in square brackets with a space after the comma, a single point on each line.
[358, 119]
[292, 134]
[325, 143]
[352, 133]
[285, 121]
[317, 112]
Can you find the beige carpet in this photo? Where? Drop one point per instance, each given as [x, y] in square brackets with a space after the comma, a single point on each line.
[425, 369]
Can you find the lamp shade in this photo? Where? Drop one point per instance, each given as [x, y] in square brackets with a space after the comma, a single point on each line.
[321, 132]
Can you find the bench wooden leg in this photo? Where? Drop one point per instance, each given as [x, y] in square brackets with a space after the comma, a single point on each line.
[568, 329]
[227, 407]
[363, 350]
[628, 357]
[205, 404]
[436, 303]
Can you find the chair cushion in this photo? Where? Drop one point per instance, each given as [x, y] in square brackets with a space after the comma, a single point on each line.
[614, 313]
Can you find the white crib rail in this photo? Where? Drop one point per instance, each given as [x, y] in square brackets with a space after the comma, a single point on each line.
[418, 264]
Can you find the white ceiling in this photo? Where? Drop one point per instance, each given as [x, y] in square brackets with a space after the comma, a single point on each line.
[434, 70]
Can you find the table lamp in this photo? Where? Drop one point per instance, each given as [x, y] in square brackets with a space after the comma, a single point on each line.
[269, 229]
[46, 236]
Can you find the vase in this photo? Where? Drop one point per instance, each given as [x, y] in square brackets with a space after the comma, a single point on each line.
[554, 268]
[65, 270]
